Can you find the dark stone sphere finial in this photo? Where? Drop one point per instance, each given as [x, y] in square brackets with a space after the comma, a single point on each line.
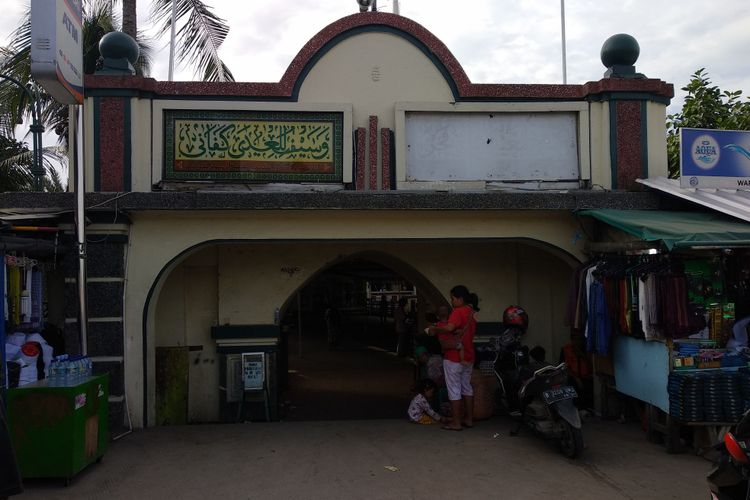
[119, 52]
[620, 50]
[118, 45]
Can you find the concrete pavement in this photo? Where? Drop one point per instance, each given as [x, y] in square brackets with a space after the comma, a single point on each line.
[379, 459]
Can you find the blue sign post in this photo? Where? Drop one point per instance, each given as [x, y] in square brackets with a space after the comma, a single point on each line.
[714, 159]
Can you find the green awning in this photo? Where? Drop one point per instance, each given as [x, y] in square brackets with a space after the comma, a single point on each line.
[677, 229]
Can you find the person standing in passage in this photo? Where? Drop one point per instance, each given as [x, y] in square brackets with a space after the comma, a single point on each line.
[403, 345]
[461, 325]
[383, 309]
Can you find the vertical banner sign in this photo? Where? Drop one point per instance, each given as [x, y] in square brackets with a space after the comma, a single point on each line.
[714, 159]
[57, 48]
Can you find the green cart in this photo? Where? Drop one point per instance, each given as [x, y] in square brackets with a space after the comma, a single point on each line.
[58, 428]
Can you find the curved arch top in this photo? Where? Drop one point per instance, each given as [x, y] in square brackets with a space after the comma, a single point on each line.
[364, 22]
[287, 89]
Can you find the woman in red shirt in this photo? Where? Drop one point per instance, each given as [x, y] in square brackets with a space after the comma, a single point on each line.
[457, 336]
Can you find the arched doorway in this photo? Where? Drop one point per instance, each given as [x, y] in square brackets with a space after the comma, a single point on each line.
[242, 282]
[346, 359]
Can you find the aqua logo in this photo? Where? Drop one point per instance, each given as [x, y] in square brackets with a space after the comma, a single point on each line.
[693, 181]
[705, 152]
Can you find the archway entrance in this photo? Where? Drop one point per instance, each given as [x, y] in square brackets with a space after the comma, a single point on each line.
[272, 287]
[346, 357]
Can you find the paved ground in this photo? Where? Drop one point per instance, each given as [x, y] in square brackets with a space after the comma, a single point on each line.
[379, 459]
[345, 436]
[360, 379]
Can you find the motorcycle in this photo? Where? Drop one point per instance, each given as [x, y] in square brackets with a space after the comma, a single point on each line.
[729, 479]
[539, 399]
[547, 407]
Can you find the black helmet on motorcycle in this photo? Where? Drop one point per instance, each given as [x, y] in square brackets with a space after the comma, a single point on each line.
[516, 316]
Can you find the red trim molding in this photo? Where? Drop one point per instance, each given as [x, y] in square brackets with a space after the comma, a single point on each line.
[373, 152]
[385, 162]
[361, 155]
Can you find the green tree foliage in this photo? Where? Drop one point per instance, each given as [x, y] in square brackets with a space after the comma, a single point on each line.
[706, 106]
[15, 167]
[199, 34]
[99, 19]
[198, 42]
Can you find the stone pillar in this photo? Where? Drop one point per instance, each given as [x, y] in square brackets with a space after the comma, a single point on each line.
[105, 289]
[634, 112]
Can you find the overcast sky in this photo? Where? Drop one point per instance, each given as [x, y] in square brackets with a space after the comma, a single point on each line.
[495, 41]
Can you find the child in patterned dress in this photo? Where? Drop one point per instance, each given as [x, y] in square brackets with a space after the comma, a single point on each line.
[420, 411]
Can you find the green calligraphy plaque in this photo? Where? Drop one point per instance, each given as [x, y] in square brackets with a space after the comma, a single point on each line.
[278, 146]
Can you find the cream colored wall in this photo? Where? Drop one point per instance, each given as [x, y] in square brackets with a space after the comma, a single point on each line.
[657, 140]
[185, 312]
[543, 292]
[156, 238]
[601, 170]
[141, 149]
[251, 285]
[345, 74]
[170, 316]
[252, 268]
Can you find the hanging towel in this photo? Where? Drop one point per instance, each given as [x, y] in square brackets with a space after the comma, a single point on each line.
[14, 294]
[37, 294]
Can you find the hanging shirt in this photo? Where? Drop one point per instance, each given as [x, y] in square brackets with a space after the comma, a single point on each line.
[599, 326]
[589, 279]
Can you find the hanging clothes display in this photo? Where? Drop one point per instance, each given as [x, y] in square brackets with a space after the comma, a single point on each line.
[640, 296]
[25, 291]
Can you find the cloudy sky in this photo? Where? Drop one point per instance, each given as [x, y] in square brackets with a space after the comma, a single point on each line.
[495, 41]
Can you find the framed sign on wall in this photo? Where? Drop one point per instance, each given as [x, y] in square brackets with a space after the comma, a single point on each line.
[268, 146]
[714, 158]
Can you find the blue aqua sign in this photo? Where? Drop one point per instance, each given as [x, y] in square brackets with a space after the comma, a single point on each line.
[714, 158]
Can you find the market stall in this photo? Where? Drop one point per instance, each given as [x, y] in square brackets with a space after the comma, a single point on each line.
[662, 314]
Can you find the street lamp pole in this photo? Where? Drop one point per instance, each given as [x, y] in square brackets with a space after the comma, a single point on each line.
[36, 128]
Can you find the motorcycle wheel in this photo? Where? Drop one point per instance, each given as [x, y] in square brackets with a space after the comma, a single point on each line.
[571, 441]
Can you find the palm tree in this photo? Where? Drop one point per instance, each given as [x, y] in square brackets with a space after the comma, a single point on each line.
[15, 167]
[197, 40]
[99, 19]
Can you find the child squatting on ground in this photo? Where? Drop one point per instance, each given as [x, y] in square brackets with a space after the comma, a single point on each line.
[420, 411]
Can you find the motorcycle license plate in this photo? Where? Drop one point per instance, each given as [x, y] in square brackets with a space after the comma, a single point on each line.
[554, 395]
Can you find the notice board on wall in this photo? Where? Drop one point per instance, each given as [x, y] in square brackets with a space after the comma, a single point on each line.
[253, 370]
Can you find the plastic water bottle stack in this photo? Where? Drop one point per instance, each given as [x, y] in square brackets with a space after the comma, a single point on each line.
[70, 369]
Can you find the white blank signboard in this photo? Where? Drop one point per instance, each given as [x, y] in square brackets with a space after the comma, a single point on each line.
[491, 146]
